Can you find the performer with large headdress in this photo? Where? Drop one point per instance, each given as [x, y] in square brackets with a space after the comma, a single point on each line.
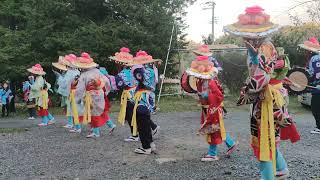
[211, 97]
[204, 50]
[313, 71]
[144, 100]
[39, 92]
[64, 82]
[269, 119]
[125, 81]
[89, 95]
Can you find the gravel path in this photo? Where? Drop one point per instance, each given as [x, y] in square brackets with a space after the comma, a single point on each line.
[52, 153]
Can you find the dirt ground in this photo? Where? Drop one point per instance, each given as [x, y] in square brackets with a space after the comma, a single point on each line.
[53, 153]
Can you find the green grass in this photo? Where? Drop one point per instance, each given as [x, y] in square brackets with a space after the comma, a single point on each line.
[11, 130]
[178, 104]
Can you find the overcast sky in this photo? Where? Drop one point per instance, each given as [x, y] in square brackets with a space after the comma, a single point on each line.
[227, 12]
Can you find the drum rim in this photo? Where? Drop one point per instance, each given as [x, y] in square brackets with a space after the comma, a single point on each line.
[188, 76]
[302, 70]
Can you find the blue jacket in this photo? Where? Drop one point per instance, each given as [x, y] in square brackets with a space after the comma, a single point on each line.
[6, 95]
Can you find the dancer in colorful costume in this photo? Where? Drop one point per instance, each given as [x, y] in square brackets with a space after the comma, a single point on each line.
[39, 92]
[204, 50]
[90, 95]
[153, 79]
[125, 81]
[60, 72]
[6, 97]
[143, 101]
[111, 126]
[26, 87]
[210, 98]
[65, 90]
[313, 47]
[269, 115]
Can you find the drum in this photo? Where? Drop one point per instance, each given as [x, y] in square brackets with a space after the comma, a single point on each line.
[188, 83]
[300, 79]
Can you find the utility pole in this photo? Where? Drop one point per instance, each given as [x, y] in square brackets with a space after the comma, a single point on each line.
[213, 21]
[211, 5]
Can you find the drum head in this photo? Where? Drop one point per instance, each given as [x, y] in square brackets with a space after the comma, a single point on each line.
[300, 77]
[188, 83]
[193, 83]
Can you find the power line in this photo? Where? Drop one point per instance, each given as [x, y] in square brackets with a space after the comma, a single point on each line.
[295, 6]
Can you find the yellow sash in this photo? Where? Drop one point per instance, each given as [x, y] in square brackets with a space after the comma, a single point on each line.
[123, 106]
[87, 108]
[222, 128]
[74, 107]
[137, 98]
[44, 99]
[267, 131]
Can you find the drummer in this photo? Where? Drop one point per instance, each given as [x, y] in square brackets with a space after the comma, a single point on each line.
[204, 50]
[314, 70]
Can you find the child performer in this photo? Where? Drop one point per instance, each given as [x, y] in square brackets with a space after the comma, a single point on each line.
[90, 94]
[6, 97]
[43, 102]
[269, 117]
[144, 101]
[60, 81]
[204, 50]
[126, 82]
[30, 103]
[39, 92]
[210, 98]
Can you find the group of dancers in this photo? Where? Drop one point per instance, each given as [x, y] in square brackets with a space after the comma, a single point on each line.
[84, 88]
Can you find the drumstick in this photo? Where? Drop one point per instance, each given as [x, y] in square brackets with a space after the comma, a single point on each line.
[299, 86]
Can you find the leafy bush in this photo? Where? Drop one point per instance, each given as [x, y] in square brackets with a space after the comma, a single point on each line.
[234, 70]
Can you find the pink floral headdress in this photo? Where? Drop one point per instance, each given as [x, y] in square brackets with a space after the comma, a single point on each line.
[70, 58]
[84, 61]
[123, 57]
[203, 50]
[254, 23]
[202, 68]
[36, 69]
[142, 57]
[61, 64]
[312, 44]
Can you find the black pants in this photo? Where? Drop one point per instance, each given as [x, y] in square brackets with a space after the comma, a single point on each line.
[144, 126]
[129, 112]
[5, 110]
[12, 105]
[32, 112]
[315, 107]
